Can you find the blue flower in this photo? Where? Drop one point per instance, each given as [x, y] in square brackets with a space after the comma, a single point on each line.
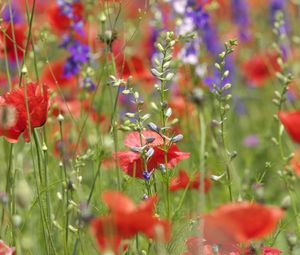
[79, 52]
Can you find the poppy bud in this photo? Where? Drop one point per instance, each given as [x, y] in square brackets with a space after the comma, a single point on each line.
[60, 118]
[286, 203]
[291, 239]
[17, 220]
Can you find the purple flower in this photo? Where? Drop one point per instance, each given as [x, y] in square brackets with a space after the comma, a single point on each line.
[251, 141]
[88, 84]
[79, 55]
[17, 17]
[277, 6]
[240, 16]
[79, 52]
[71, 68]
[146, 176]
[211, 40]
[189, 53]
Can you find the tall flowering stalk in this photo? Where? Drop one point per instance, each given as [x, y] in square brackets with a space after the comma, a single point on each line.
[220, 91]
[162, 71]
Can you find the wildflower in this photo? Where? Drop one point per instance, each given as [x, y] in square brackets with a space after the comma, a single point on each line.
[11, 39]
[37, 101]
[125, 221]
[237, 223]
[66, 15]
[17, 17]
[260, 68]
[295, 163]
[291, 123]
[132, 163]
[182, 181]
[240, 16]
[251, 141]
[6, 250]
[54, 77]
[193, 247]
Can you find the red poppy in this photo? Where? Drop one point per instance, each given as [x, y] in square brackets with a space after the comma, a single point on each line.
[295, 163]
[36, 98]
[291, 123]
[60, 22]
[132, 163]
[53, 76]
[6, 250]
[66, 107]
[182, 181]
[136, 67]
[270, 251]
[193, 246]
[260, 69]
[126, 220]
[237, 223]
[181, 107]
[13, 41]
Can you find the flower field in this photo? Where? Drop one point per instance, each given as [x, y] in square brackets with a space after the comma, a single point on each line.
[149, 127]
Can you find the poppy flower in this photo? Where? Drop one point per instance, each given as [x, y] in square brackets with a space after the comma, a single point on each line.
[137, 67]
[291, 123]
[6, 250]
[60, 18]
[54, 77]
[13, 41]
[132, 162]
[181, 107]
[37, 101]
[182, 181]
[295, 163]
[66, 107]
[237, 223]
[125, 221]
[260, 68]
[270, 251]
[193, 246]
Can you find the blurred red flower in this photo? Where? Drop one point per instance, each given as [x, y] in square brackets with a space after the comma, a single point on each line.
[193, 247]
[53, 76]
[132, 163]
[13, 41]
[126, 220]
[6, 250]
[36, 98]
[60, 22]
[182, 181]
[291, 123]
[260, 68]
[295, 163]
[237, 223]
